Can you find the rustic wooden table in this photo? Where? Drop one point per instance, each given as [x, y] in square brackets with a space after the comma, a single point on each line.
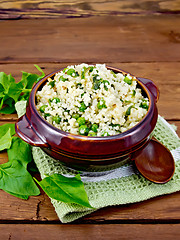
[142, 37]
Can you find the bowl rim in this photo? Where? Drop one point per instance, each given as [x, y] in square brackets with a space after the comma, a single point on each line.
[32, 101]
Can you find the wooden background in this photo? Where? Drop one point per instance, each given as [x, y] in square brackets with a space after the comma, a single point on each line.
[142, 37]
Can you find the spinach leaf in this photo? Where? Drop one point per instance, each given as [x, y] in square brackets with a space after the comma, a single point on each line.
[20, 150]
[15, 90]
[5, 127]
[25, 197]
[68, 190]
[7, 110]
[5, 81]
[20, 107]
[5, 141]
[11, 92]
[40, 70]
[14, 178]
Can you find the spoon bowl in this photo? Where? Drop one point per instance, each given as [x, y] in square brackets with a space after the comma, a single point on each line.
[155, 162]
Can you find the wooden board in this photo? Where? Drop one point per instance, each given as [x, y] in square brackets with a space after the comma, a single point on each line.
[74, 8]
[40, 208]
[90, 231]
[96, 39]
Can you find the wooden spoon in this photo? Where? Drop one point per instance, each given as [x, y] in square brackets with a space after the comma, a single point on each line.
[155, 162]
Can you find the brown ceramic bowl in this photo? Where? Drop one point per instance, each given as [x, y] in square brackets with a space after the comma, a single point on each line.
[82, 152]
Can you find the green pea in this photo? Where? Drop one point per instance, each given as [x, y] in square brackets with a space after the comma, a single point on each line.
[75, 115]
[42, 108]
[56, 119]
[52, 84]
[91, 134]
[83, 107]
[83, 130]
[101, 104]
[128, 80]
[81, 121]
[94, 127]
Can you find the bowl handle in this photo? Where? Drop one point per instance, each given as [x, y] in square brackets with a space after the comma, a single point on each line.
[151, 87]
[27, 133]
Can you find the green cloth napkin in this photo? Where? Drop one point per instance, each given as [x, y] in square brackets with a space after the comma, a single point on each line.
[121, 186]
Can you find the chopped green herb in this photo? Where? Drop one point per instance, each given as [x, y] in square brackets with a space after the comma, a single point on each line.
[105, 82]
[134, 93]
[72, 72]
[91, 68]
[63, 79]
[96, 82]
[81, 121]
[57, 100]
[64, 70]
[105, 134]
[128, 111]
[144, 105]
[128, 80]
[83, 73]
[83, 130]
[79, 85]
[101, 104]
[114, 125]
[113, 73]
[47, 115]
[52, 84]
[83, 107]
[127, 102]
[56, 119]
[42, 108]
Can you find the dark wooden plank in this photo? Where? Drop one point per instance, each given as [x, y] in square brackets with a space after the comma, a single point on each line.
[163, 208]
[110, 231]
[95, 39]
[55, 9]
[166, 75]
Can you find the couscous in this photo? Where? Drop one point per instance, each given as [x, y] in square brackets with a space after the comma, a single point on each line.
[92, 100]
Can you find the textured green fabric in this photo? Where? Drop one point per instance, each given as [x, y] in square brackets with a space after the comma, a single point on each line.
[118, 190]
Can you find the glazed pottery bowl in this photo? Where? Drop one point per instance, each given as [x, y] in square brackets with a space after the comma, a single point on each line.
[84, 152]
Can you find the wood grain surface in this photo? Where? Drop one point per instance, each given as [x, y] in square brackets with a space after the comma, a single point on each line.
[141, 37]
[75, 8]
[89, 232]
[98, 39]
